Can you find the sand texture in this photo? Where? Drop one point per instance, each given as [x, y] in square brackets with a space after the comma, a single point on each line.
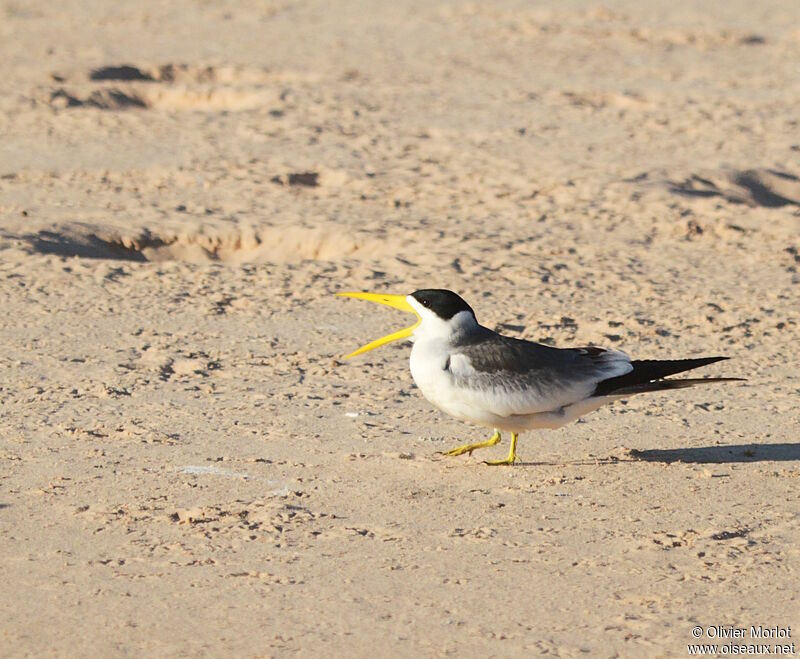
[190, 467]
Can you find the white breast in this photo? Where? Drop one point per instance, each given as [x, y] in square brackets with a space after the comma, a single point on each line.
[429, 368]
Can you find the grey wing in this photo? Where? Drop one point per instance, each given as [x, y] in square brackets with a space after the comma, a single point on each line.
[521, 377]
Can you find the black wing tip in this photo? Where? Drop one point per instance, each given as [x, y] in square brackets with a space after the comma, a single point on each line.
[699, 360]
[692, 381]
[648, 371]
[666, 385]
[726, 379]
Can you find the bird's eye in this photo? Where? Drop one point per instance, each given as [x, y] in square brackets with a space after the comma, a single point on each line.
[426, 303]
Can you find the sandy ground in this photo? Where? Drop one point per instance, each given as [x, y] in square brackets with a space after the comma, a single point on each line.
[189, 465]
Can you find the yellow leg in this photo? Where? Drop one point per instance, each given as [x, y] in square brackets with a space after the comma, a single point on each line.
[469, 448]
[512, 454]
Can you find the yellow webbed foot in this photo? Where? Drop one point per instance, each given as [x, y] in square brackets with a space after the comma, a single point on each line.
[469, 448]
[512, 454]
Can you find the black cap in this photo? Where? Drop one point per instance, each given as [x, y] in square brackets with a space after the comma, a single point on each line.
[443, 303]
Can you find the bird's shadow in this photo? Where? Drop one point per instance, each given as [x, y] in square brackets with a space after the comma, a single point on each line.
[722, 454]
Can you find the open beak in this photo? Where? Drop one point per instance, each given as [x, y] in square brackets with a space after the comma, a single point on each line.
[396, 301]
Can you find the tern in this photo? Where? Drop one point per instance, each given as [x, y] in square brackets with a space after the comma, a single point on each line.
[479, 376]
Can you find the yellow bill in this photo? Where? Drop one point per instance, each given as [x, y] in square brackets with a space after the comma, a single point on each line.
[396, 301]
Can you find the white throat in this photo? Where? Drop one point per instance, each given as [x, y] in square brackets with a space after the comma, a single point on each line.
[432, 328]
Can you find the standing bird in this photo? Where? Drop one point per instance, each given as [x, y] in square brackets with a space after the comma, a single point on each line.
[480, 376]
